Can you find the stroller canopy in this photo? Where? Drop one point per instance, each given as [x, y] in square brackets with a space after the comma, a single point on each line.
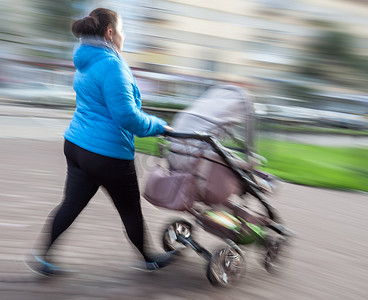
[223, 111]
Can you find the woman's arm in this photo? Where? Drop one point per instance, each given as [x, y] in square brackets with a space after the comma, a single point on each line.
[118, 92]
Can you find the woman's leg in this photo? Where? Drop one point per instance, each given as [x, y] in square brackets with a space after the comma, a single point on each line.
[122, 185]
[124, 190]
[79, 189]
[117, 176]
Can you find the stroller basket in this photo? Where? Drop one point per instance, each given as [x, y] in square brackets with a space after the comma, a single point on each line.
[177, 191]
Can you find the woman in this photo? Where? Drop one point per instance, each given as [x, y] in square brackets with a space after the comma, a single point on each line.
[99, 143]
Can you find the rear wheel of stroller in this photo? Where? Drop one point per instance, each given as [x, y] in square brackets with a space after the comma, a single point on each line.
[226, 266]
[275, 255]
[176, 230]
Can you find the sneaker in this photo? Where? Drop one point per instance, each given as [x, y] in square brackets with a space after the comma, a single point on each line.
[37, 264]
[156, 262]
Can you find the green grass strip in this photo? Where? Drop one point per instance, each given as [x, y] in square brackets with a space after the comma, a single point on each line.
[321, 166]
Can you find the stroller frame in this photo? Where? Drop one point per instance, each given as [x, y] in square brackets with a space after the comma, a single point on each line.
[226, 265]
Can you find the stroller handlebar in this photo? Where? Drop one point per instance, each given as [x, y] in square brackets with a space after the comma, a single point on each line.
[185, 135]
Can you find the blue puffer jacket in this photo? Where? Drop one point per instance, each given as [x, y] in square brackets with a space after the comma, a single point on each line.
[108, 112]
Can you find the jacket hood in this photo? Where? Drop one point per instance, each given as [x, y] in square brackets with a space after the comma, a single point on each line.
[83, 56]
[91, 50]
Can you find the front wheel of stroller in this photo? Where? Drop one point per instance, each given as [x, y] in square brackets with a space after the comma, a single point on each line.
[226, 267]
[180, 229]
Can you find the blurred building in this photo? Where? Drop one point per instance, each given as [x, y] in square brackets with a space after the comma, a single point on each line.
[179, 47]
[234, 39]
[261, 43]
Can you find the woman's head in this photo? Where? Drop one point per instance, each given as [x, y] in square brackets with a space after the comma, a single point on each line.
[101, 22]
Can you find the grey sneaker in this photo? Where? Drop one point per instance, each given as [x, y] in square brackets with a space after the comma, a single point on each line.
[38, 264]
[156, 262]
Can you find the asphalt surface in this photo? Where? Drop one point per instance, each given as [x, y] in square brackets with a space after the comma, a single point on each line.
[328, 258]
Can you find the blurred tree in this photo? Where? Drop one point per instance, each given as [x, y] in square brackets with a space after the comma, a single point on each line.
[52, 24]
[331, 58]
[333, 44]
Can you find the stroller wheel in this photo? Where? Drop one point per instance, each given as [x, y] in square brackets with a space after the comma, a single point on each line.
[226, 267]
[177, 230]
[275, 255]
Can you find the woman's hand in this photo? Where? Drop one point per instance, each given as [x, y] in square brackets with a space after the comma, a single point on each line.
[168, 128]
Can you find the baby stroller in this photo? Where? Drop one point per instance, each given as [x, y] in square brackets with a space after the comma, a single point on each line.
[210, 171]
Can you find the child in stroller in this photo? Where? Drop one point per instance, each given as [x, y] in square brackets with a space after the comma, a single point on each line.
[202, 170]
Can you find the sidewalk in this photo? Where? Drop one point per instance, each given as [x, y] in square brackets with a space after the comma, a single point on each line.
[13, 108]
[30, 122]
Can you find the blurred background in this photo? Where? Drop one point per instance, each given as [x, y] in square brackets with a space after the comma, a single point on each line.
[304, 61]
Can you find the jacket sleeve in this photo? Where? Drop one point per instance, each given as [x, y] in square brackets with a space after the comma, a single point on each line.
[119, 95]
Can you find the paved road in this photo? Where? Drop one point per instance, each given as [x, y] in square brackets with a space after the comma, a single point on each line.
[328, 259]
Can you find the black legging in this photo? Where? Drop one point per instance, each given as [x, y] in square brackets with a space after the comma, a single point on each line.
[88, 171]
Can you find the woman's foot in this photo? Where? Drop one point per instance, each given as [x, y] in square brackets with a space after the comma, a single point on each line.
[155, 262]
[39, 265]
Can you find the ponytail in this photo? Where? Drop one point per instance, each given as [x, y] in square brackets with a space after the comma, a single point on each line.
[95, 23]
[86, 26]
